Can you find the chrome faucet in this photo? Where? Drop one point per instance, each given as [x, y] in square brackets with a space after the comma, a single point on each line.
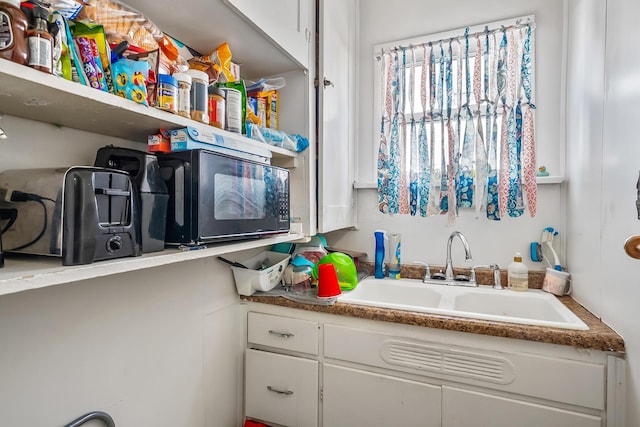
[448, 272]
[497, 283]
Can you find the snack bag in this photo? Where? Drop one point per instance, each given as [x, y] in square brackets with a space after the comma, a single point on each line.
[91, 65]
[100, 49]
[131, 80]
[221, 59]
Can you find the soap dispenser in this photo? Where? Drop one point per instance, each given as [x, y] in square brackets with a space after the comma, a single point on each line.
[518, 274]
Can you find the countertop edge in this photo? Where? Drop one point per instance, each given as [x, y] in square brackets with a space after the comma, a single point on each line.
[599, 336]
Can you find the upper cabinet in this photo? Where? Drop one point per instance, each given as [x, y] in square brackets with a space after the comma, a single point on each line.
[336, 114]
[285, 22]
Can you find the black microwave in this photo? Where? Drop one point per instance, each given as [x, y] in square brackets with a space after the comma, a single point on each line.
[214, 197]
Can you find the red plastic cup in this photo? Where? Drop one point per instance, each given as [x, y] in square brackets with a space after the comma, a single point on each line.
[328, 285]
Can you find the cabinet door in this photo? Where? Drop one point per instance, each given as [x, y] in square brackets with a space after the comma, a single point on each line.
[281, 389]
[463, 408]
[336, 114]
[356, 398]
[286, 22]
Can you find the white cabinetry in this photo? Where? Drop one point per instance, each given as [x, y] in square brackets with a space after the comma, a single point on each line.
[286, 22]
[380, 374]
[281, 389]
[337, 73]
[463, 408]
[364, 399]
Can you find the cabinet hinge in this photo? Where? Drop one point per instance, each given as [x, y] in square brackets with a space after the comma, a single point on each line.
[321, 393]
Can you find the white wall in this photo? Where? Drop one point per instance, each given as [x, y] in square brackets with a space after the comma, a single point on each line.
[156, 347]
[604, 159]
[425, 239]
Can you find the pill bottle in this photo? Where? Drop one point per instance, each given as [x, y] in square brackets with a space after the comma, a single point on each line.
[233, 104]
[518, 274]
[13, 32]
[184, 94]
[167, 93]
[217, 108]
[199, 95]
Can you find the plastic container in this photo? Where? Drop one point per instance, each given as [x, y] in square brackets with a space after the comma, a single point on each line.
[199, 95]
[184, 94]
[264, 272]
[345, 269]
[217, 107]
[394, 256]
[517, 274]
[233, 104]
[167, 93]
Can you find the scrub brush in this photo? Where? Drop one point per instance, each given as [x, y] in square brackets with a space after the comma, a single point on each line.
[546, 241]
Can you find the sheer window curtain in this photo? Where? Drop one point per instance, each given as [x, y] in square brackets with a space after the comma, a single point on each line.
[457, 125]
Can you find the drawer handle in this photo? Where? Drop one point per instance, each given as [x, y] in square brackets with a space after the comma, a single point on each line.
[275, 390]
[282, 334]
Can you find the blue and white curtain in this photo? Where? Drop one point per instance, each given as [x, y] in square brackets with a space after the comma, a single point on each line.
[457, 127]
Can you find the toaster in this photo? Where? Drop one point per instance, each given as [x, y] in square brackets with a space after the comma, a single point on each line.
[81, 214]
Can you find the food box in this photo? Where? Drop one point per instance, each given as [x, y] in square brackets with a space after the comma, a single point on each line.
[190, 138]
[264, 272]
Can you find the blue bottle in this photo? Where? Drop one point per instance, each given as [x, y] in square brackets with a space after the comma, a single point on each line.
[379, 256]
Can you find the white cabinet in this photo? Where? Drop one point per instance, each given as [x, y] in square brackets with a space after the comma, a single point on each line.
[364, 399]
[281, 389]
[336, 114]
[463, 408]
[379, 374]
[286, 22]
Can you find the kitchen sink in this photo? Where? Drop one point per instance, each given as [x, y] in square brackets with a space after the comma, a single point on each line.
[534, 307]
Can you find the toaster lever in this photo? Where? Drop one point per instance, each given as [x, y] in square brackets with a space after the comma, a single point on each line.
[112, 192]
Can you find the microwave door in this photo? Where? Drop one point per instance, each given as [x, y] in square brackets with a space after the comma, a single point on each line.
[238, 198]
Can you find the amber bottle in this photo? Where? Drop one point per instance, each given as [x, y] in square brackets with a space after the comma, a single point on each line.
[13, 32]
[40, 42]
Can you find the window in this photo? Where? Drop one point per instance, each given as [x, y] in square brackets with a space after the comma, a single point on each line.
[456, 122]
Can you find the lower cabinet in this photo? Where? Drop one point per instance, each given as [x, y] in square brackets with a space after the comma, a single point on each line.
[281, 389]
[334, 372]
[464, 408]
[355, 398]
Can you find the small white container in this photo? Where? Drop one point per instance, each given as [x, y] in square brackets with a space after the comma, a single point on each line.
[255, 278]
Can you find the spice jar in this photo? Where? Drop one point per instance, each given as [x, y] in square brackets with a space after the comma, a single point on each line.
[184, 94]
[167, 93]
[216, 107]
[199, 95]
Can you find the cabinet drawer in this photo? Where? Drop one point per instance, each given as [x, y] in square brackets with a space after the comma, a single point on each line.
[281, 389]
[283, 332]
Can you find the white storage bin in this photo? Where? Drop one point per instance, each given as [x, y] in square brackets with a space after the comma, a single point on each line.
[252, 279]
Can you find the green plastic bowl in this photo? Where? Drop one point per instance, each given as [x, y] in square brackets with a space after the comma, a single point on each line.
[345, 269]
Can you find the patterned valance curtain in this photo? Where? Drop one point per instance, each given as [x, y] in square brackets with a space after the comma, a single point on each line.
[457, 125]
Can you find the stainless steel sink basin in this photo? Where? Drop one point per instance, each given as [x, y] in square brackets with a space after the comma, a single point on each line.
[533, 307]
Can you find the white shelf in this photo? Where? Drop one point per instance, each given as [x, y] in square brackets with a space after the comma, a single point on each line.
[23, 273]
[31, 94]
[540, 180]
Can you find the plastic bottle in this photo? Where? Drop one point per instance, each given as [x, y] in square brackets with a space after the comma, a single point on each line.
[379, 255]
[13, 32]
[184, 94]
[394, 256]
[518, 274]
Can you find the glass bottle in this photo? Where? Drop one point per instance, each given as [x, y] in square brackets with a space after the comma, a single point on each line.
[40, 42]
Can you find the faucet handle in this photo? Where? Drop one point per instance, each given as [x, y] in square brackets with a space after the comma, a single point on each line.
[427, 272]
[497, 283]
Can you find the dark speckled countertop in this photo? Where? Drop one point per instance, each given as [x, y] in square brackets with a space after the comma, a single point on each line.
[598, 337]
